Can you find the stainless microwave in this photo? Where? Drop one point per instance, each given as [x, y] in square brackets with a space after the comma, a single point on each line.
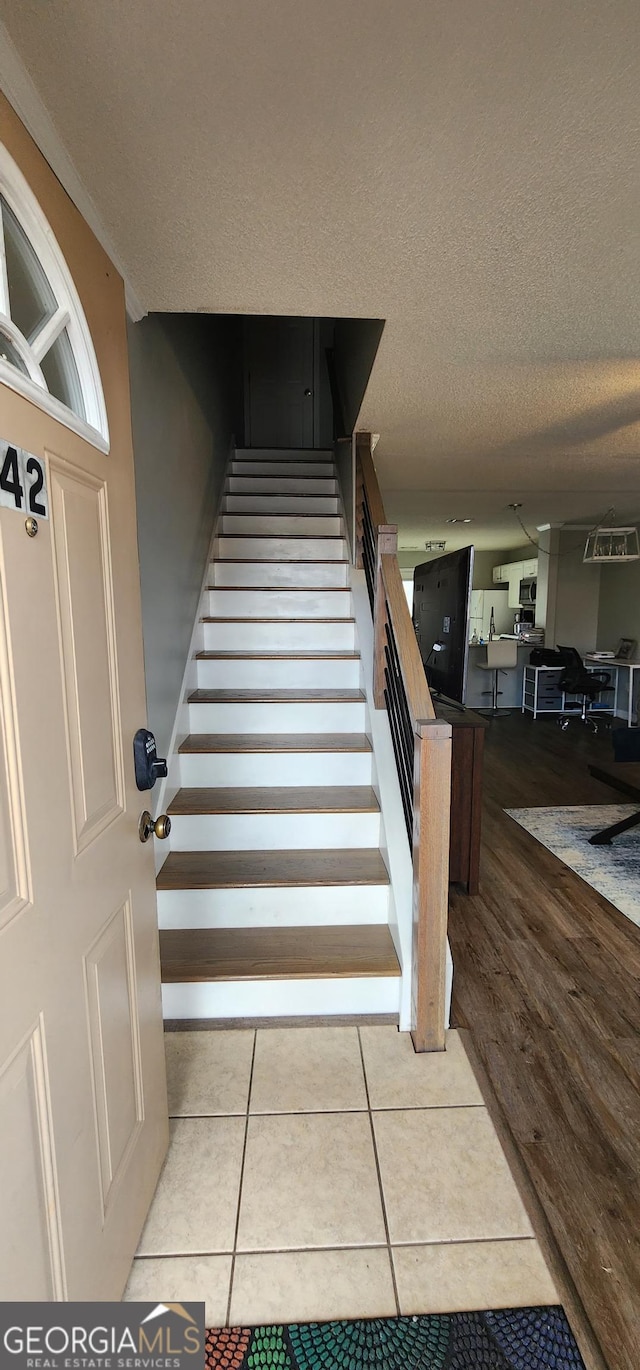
[527, 592]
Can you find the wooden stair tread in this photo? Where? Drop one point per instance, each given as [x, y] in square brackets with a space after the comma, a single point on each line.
[268, 696]
[293, 537]
[285, 589]
[291, 561]
[254, 619]
[278, 513]
[285, 655]
[197, 954]
[275, 799]
[279, 494]
[272, 869]
[320, 455]
[259, 475]
[199, 743]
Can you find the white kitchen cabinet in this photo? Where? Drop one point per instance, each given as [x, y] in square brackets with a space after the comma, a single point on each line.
[511, 574]
[515, 576]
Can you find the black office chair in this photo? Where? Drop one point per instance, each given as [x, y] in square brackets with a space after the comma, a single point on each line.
[577, 680]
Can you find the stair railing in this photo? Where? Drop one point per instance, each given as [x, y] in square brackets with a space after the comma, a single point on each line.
[422, 748]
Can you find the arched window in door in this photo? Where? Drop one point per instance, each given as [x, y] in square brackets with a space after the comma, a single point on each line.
[46, 352]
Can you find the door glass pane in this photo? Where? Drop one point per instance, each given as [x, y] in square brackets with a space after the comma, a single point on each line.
[61, 374]
[31, 299]
[9, 354]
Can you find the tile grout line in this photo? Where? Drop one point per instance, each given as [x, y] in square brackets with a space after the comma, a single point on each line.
[244, 1152]
[378, 1172]
[323, 1112]
[365, 1246]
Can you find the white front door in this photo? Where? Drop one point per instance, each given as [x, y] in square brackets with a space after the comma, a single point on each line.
[83, 1115]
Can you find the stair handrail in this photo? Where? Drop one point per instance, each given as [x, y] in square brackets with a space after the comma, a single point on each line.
[421, 744]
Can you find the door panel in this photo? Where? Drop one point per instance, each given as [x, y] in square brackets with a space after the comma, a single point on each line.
[85, 609]
[115, 1044]
[14, 885]
[29, 1209]
[279, 369]
[81, 956]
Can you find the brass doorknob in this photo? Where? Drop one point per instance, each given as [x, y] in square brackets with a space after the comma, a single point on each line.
[149, 827]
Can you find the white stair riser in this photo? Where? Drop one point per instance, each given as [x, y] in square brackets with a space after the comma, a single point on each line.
[324, 469]
[281, 524]
[279, 636]
[277, 718]
[282, 998]
[313, 906]
[280, 503]
[286, 485]
[279, 675]
[284, 453]
[281, 548]
[273, 831]
[288, 574]
[267, 768]
[279, 603]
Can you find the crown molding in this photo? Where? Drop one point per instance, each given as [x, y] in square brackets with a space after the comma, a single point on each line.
[21, 93]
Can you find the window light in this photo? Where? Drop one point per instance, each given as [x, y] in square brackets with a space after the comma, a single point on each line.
[46, 350]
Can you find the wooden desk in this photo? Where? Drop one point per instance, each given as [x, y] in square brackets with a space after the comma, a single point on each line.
[467, 750]
[623, 776]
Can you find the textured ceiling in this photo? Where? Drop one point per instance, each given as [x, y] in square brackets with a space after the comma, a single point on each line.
[465, 169]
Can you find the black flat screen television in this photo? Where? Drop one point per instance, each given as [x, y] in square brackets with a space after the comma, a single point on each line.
[441, 604]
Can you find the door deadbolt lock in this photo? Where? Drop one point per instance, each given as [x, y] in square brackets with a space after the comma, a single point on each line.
[149, 767]
[31, 526]
[153, 827]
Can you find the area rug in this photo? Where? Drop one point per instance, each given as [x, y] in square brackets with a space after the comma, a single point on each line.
[613, 871]
[512, 1339]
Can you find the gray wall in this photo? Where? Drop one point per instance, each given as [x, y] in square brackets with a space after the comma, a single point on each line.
[483, 564]
[524, 553]
[183, 390]
[619, 613]
[355, 343]
[572, 605]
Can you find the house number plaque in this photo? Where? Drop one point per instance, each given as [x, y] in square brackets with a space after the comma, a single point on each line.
[23, 482]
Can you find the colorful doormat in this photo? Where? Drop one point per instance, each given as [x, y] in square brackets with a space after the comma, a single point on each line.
[512, 1339]
[613, 871]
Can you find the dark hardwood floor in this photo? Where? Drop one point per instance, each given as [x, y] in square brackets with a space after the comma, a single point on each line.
[547, 980]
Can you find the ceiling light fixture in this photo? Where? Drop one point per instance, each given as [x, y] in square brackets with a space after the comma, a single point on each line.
[604, 545]
[607, 545]
[458, 520]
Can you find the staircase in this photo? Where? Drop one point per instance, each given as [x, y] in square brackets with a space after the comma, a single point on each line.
[275, 899]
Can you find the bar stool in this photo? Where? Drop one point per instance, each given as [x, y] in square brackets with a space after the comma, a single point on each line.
[502, 655]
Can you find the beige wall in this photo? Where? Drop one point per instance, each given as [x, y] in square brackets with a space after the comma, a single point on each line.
[182, 384]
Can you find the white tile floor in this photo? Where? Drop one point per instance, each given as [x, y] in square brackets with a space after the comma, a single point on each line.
[318, 1173]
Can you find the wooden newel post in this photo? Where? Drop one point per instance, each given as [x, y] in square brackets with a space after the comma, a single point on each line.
[386, 541]
[431, 816]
